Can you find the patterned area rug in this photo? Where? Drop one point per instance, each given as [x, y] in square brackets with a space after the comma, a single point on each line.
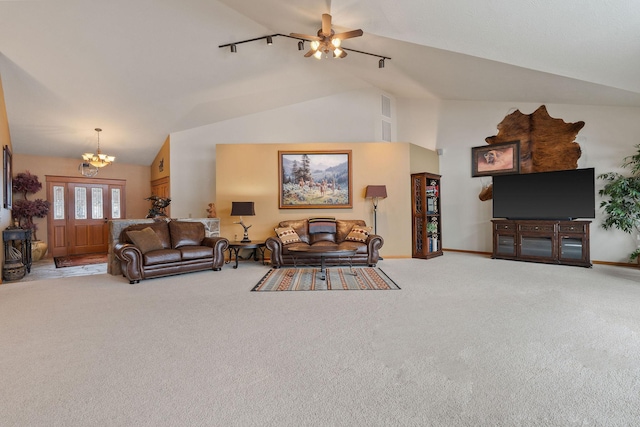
[78, 260]
[337, 278]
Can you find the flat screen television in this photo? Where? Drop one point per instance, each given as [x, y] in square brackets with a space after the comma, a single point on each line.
[558, 195]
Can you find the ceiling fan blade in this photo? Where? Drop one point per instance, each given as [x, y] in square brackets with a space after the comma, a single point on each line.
[326, 24]
[310, 53]
[348, 34]
[305, 36]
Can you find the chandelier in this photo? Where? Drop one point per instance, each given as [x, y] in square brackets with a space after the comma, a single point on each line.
[98, 159]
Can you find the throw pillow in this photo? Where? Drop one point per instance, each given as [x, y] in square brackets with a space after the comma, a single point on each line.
[287, 235]
[146, 239]
[359, 233]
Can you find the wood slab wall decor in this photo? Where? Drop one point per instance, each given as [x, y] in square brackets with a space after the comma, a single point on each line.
[546, 144]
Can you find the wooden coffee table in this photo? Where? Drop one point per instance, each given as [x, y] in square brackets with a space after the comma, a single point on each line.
[323, 252]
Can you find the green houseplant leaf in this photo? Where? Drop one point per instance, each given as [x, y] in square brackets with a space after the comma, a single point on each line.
[621, 198]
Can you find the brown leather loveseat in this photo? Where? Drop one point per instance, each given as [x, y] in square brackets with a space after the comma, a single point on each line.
[344, 234]
[164, 248]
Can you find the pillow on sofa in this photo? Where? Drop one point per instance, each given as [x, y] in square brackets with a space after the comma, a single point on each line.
[358, 233]
[146, 239]
[287, 235]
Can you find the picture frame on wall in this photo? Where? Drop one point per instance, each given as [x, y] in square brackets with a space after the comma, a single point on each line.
[495, 159]
[8, 177]
[315, 179]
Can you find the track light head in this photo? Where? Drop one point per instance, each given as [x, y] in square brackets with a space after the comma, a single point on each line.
[233, 47]
[269, 40]
[381, 63]
[300, 45]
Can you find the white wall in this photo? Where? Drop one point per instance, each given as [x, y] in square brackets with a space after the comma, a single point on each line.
[609, 135]
[418, 121]
[347, 117]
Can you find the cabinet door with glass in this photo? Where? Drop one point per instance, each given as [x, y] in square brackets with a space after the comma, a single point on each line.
[504, 239]
[573, 242]
[426, 215]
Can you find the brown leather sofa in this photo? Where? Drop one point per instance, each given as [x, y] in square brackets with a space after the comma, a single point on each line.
[180, 247]
[366, 251]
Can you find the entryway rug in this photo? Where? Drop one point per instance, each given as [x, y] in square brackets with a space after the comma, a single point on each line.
[78, 260]
[337, 278]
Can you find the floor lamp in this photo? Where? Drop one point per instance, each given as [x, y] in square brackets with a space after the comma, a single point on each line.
[375, 192]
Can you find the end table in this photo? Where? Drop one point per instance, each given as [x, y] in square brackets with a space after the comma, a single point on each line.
[236, 246]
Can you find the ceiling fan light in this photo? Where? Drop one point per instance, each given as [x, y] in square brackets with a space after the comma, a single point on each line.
[318, 54]
[336, 42]
[315, 45]
[338, 53]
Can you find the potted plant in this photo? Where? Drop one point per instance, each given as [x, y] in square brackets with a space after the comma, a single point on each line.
[25, 210]
[622, 206]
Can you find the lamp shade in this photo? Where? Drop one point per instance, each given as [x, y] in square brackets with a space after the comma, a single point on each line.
[242, 209]
[379, 191]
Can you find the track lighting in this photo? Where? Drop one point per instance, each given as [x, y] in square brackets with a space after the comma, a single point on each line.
[334, 48]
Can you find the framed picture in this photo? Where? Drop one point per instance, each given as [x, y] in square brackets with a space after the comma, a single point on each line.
[8, 180]
[495, 159]
[314, 179]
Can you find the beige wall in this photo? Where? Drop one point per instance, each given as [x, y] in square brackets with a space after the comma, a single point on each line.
[162, 161]
[422, 160]
[137, 177]
[5, 139]
[372, 164]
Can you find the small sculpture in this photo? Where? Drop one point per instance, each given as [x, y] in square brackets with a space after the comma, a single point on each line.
[158, 206]
[211, 211]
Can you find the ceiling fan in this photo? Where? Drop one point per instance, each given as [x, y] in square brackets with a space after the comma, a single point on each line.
[327, 40]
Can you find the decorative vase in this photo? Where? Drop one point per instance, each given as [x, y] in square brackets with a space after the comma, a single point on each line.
[38, 250]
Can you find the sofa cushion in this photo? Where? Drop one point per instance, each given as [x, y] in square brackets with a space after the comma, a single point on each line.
[146, 239]
[300, 226]
[322, 237]
[359, 247]
[186, 233]
[160, 227]
[196, 252]
[287, 235]
[344, 227]
[358, 233]
[318, 226]
[162, 256]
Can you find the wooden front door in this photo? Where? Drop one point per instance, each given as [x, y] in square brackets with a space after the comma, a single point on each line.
[80, 211]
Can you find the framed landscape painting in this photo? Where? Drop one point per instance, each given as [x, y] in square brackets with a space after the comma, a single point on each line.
[495, 159]
[314, 179]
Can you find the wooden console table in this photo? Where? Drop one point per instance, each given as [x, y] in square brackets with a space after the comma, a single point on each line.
[553, 242]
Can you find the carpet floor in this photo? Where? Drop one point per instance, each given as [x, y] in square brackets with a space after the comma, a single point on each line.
[78, 260]
[310, 279]
[468, 341]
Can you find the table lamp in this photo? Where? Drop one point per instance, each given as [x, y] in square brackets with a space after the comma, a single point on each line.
[243, 209]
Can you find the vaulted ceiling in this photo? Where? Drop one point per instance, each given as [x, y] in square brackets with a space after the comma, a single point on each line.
[141, 69]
